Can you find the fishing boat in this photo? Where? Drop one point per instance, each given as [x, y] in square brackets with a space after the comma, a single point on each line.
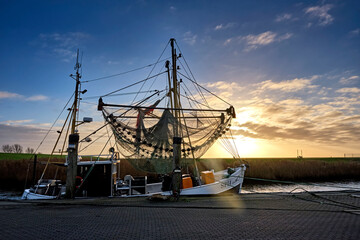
[169, 124]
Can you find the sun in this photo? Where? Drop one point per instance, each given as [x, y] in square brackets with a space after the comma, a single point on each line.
[246, 146]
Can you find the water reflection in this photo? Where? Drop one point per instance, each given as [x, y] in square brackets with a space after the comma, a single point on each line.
[311, 187]
[9, 195]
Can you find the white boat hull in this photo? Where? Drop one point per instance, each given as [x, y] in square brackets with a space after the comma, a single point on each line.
[27, 195]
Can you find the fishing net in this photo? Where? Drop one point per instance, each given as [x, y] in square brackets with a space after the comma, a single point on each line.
[144, 134]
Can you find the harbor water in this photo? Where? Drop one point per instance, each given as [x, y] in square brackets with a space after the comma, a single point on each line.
[301, 187]
[259, 188]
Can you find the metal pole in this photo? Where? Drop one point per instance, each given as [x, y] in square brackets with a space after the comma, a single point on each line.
[72, 166]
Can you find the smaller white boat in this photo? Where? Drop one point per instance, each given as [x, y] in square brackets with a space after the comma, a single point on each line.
[46, 189]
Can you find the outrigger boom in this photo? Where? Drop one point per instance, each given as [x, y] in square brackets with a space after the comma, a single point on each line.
[229, 111]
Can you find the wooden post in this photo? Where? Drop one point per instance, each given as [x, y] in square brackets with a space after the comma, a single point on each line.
[176, 178]
[34, 170]
[72, 166]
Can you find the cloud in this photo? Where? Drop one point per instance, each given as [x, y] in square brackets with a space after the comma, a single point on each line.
[293, 85]
[355, 31]
[224, 26]
[4, 95]
[321, 14]
[260, 39]
[306, 131]
[284, 37]
[283, 17]
[62, 45]
[30, 134]
[348, 90]
[27, 136]
[37, 98]
[225, 90]
[9, 95]
[172, 8]
[222, 85]
[283, 111]
[16, 122]
[252, 42]
[291, 102]
[113, 62]
[298, 120]
[348, 80]
[228, 41]
[189, 38]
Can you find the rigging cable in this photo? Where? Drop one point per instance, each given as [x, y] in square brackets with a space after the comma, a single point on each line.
[196, 84]
[144, 80]
[196, 87]
[122, 73]
[54, 122]
[148, 77]
[53, 150]
[152, 83]
[206, 104]
[45, 137]
[120, 94]
[120, 115]
[92, 142]
[204, 88]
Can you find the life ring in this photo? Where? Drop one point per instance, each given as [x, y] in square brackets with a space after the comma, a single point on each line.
[78, 181]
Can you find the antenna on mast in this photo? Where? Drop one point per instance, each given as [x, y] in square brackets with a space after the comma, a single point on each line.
[77, 64]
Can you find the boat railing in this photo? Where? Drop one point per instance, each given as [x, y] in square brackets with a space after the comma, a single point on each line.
[94, 158]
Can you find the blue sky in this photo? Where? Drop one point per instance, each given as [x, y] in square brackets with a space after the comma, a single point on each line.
[291, 68]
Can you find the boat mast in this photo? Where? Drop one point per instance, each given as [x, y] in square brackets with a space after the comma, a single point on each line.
[176, 179]
[175, 83]
[73, 139]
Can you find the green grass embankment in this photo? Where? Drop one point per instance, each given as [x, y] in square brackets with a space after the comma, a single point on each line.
[16, 167]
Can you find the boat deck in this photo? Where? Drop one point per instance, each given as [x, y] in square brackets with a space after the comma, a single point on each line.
[334, 215]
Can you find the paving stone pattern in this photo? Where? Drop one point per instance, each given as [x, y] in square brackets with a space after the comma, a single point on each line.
[228, 217]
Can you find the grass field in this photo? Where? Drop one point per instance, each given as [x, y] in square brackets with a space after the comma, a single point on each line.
[294, 169]
[22, 156]
[16, 168]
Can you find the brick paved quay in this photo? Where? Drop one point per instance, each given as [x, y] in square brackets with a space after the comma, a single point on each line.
[333, 215]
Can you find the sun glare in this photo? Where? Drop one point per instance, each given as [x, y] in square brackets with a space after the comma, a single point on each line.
[246, 147]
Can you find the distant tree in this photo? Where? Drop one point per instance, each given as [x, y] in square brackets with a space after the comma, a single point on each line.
[17, 148]
[29, 150]
[7, 148]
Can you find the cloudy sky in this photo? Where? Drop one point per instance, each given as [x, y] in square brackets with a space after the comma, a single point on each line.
[290, 68]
